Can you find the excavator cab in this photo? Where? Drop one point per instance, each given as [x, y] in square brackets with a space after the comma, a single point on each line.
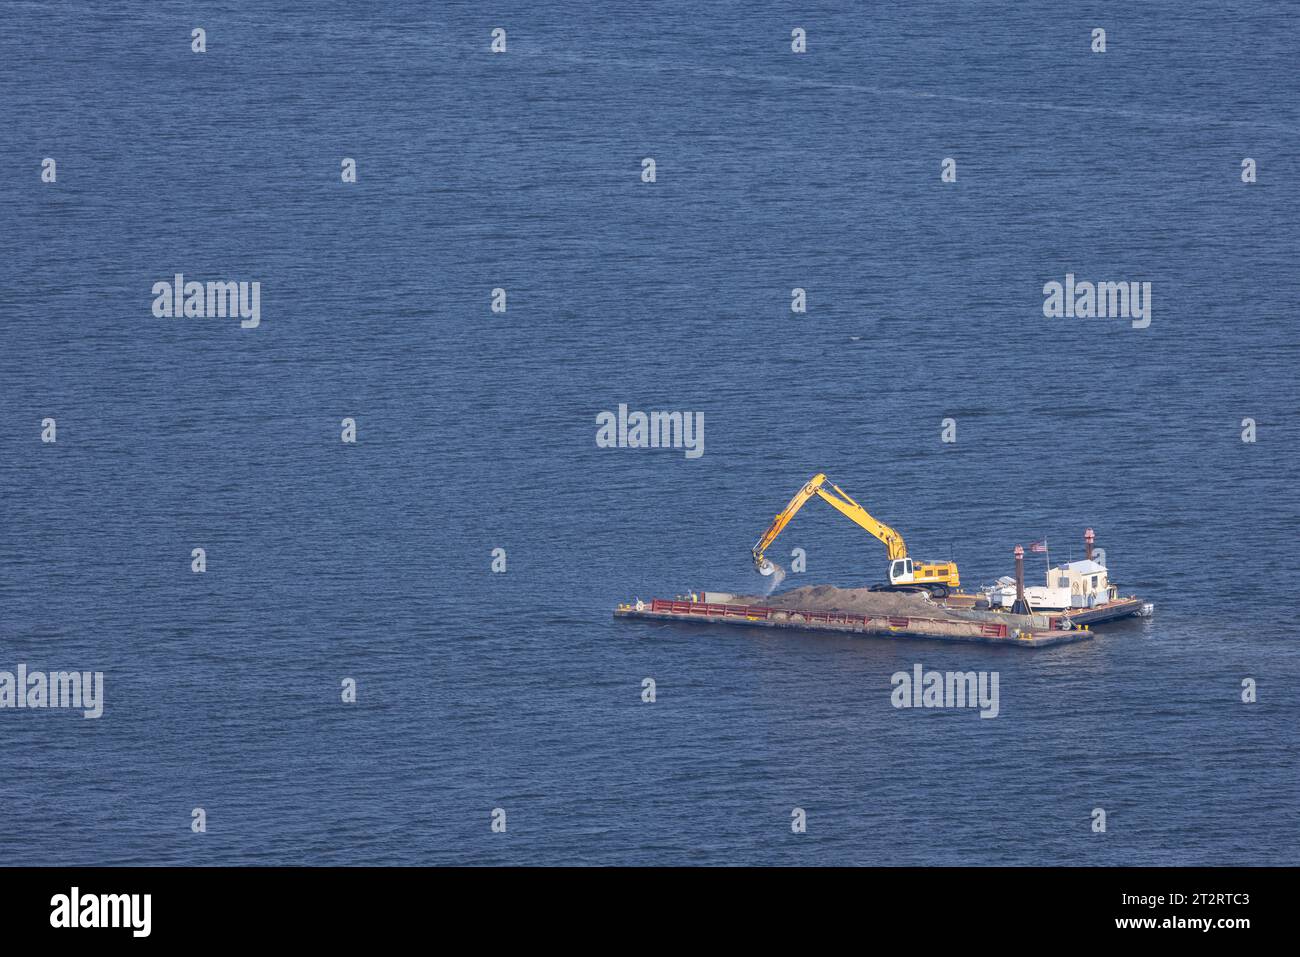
[935, 577]
[900, 571]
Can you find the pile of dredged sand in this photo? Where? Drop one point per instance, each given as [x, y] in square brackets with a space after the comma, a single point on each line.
[858, 601]
[864, 601]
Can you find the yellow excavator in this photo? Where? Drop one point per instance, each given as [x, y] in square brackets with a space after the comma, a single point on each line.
[904, 573]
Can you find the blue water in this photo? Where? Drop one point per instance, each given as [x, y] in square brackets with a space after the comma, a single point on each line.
[477, 430]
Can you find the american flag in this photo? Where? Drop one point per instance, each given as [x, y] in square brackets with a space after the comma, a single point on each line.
[1038, 546]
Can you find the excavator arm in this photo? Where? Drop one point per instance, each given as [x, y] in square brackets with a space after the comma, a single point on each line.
[838, 499]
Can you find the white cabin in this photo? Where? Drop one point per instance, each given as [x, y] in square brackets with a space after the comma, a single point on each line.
[1085, 581]
[1074, 585]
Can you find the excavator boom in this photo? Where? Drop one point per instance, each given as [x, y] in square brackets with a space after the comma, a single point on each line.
[903, 572]
[841, 502]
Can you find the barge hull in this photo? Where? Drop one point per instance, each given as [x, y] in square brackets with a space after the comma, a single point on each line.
[760, 616]
[1110, 611]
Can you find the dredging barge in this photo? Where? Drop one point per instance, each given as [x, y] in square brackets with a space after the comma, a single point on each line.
[1076, 596]
[920, 600]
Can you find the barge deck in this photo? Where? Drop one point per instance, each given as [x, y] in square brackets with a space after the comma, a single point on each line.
[883, 626]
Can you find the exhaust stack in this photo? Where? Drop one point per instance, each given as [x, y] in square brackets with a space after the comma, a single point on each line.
[1021, 607]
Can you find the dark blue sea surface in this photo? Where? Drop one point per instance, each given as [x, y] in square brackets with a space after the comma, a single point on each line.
[476, 430]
